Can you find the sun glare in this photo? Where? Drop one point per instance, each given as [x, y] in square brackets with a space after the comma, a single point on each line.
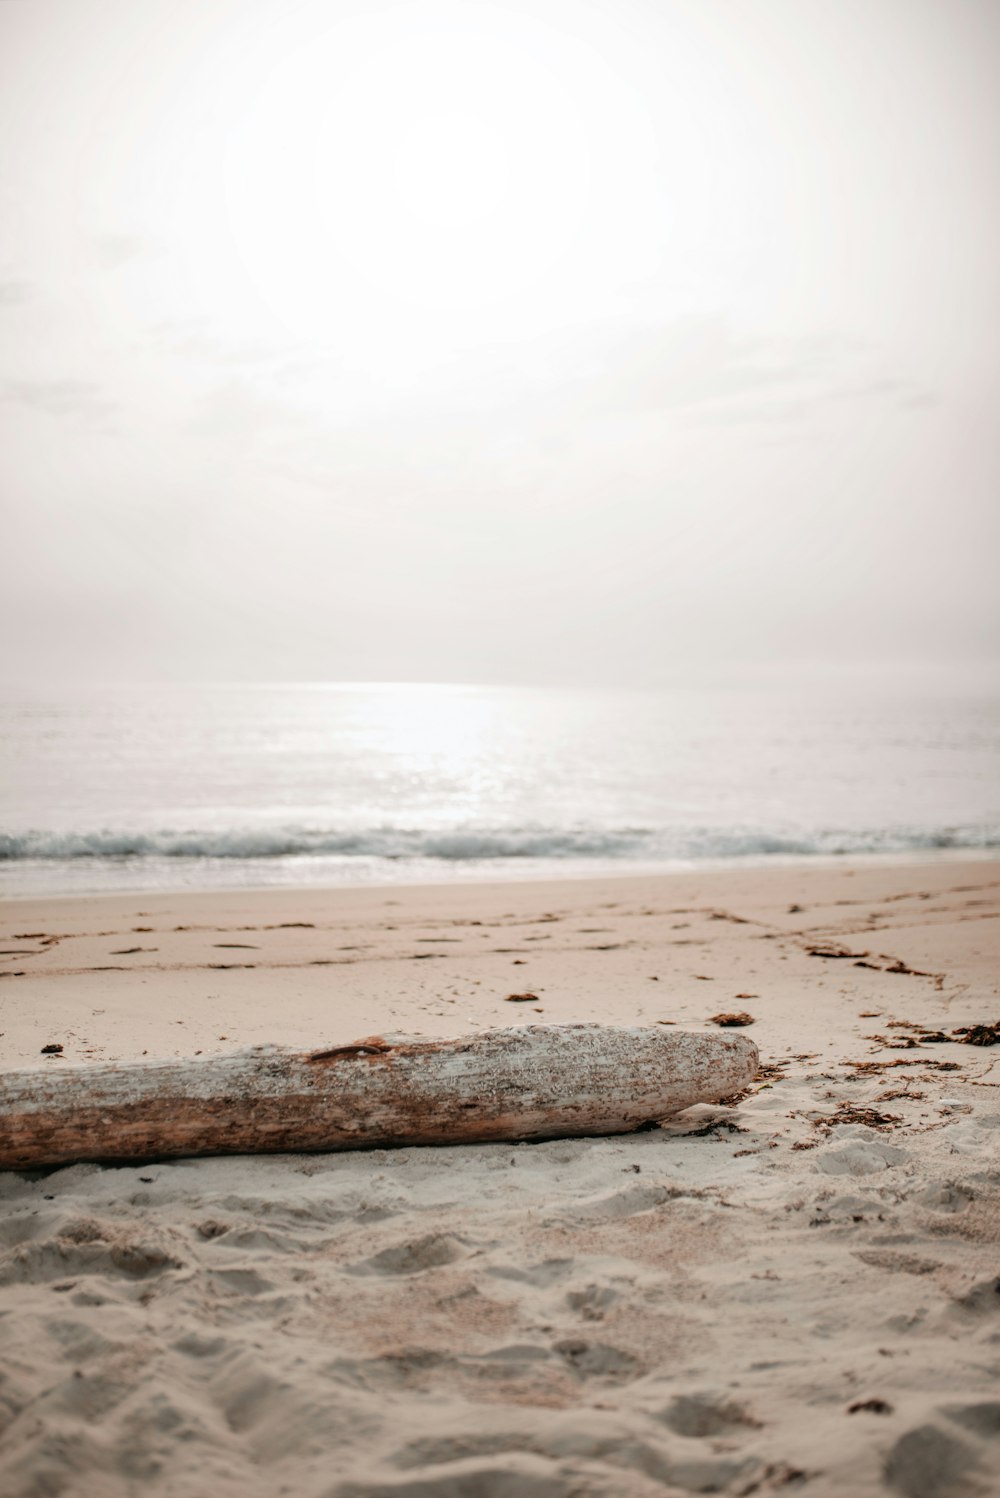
[461, 173]
[452, 172]
[397, 185]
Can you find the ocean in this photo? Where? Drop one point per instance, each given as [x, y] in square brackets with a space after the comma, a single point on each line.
[209, 786]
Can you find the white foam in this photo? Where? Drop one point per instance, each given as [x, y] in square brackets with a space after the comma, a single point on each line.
[463, 844]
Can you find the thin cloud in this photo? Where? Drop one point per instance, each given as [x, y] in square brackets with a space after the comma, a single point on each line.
[59, 397]
[697, 362]
[234, 410]
[15, 293]
[116, 250]
[195, 338]
[703, 368]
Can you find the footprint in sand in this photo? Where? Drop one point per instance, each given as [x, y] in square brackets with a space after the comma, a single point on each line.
[518, 1476]
[983, 1419]
[238, 1282]
[945, 1196]
[705, 1413]
[928, 1463]
[982, 1300]
[83, 1249]
[414, 1256]
[549, 1272]
[592, 1301]
[627, 1203]
[598, 1360]
[861, 1157]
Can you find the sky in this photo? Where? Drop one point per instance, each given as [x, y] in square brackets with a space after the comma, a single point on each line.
[556, 341]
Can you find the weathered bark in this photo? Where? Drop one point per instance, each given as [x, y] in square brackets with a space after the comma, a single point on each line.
[529, 1082]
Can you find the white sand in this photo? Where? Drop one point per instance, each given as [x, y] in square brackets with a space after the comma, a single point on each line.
[695, 1309]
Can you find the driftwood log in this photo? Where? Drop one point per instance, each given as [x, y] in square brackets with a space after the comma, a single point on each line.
[528, 1082]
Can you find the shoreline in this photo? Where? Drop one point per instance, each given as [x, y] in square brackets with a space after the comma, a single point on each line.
[796, 1291]
[544, 872]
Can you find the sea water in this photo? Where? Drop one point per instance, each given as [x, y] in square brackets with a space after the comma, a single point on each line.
[207, 786]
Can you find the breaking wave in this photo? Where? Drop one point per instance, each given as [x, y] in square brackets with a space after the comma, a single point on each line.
[476, 844]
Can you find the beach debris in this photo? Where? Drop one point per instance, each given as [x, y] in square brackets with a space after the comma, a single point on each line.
[713, 1126]
[849, 1113]
[924, 1035]
[896, 965]
[705, 1414]
[870, 1406]
[521, 998]
[979, 1034]
[833, 951]
[522, 1082]
[901, 1043]
[737, 1018]
[54, 1049]
[869, 1068]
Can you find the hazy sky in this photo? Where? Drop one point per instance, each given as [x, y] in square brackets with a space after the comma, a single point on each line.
[555, 340]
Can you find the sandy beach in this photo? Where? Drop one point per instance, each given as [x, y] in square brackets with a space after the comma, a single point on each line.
[799, 1290]
[499, 749]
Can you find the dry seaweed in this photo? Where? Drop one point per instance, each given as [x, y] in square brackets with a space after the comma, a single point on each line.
[984, 1034]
